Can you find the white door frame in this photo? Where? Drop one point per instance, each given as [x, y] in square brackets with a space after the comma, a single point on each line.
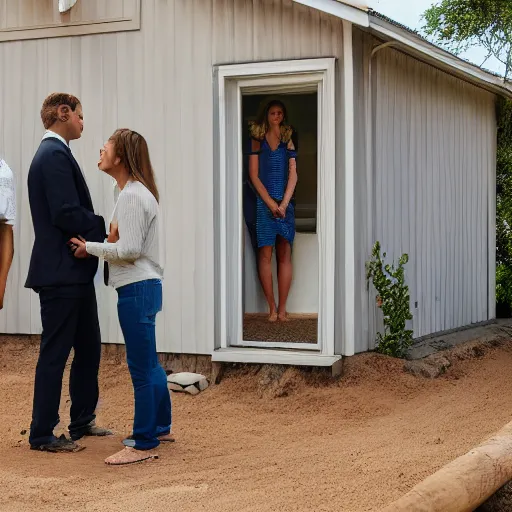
[279, 77]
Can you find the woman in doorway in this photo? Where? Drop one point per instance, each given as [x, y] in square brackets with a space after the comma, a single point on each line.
[270, 212]
[132, 252]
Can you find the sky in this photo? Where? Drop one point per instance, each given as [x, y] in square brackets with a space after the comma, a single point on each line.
[408, 12]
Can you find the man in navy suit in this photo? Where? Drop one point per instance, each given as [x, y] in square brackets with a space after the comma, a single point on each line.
[61, 208]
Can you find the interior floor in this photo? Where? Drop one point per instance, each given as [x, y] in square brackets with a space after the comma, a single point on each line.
[299, 328]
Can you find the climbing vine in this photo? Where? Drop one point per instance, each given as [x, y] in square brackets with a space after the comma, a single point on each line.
[393, 300]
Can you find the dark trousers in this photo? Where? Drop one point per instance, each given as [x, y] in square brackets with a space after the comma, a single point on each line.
[69, 315]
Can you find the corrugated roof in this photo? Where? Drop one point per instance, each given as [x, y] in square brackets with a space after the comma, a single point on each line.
[381, 16]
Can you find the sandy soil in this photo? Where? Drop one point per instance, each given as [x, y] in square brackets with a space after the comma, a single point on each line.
[352, 445]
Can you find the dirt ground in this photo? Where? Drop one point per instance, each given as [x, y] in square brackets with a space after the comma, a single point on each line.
[351, 445]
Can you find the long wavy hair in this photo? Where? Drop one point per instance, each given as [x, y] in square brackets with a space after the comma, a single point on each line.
[131, 147]
[259, 128]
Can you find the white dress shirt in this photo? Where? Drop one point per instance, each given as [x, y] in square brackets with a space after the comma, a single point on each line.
[49, 133]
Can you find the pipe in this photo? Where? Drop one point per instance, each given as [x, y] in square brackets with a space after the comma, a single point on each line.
[370, 189]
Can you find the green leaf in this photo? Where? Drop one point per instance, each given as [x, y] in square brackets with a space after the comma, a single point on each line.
[389, 281]
[461, 24]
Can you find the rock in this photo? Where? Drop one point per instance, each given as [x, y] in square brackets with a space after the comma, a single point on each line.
[192, 383]
[216, 373]
[278, 381]
[431, 367]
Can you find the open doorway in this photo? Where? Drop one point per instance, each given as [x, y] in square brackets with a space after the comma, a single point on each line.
[302, 302]
[314, 79]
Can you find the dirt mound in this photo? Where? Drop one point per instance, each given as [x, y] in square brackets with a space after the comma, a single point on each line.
[438, 364]
[308, 442]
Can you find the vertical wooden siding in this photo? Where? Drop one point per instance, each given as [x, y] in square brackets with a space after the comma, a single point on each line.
[157, 81]
[434, 152]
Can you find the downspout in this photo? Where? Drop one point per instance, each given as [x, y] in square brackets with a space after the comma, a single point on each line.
[370, 171]
[369, 143]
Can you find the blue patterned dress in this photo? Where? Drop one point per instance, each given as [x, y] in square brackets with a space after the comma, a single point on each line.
[273, 173]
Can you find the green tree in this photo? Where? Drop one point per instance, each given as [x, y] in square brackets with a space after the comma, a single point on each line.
[460, 24]
[504, 209]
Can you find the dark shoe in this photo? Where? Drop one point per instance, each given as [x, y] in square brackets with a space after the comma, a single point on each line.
[60, 445]
[91, 430]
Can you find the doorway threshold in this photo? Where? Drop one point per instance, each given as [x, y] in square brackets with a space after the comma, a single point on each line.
[272, 356]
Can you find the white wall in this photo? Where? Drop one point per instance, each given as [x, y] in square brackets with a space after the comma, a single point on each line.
[157, 81]
[432, 190]
[303, 296]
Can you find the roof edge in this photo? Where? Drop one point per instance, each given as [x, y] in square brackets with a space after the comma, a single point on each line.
[417, 46]
[340, 10]
[413, 44]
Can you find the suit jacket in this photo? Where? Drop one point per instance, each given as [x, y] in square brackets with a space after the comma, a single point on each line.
[61, 208]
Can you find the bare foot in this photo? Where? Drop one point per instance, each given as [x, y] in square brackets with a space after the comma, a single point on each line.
[130, 455]
[167, 438]
[272, 317]
[283, 317]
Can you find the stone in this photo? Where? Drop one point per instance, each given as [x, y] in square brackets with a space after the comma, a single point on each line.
[188, 382]
[217, 372]
[204, 365]
[277, 381]
[192, 390]
[337, 368]
[431, 367]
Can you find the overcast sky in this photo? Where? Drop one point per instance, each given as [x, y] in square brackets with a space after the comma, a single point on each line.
[409, 13]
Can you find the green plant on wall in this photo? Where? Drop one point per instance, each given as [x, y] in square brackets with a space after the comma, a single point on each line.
[393, 300]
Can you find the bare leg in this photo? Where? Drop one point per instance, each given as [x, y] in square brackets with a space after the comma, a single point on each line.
[284, 275]
[265, 274]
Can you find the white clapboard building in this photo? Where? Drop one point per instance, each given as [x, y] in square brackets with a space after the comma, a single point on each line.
[398, 145]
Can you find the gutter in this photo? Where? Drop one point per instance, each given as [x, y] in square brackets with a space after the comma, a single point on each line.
[429, 53]
[412, 44]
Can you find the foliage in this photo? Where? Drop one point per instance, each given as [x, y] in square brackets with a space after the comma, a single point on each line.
[393, 299]
[504, 287]
[504, 209]
[504, 184]
[460, 24]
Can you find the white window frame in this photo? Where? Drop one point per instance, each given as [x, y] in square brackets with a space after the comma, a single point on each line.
[278, 77]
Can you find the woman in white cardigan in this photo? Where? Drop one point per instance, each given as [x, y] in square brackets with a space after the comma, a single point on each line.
[135, 271]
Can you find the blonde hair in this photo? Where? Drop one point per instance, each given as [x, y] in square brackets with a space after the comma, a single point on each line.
[131, 147]
[259, 128]
[258, 131]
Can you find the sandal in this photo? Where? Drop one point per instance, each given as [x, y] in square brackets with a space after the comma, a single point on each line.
[130, 455]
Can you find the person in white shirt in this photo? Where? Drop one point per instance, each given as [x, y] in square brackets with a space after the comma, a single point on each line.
[135, 271]
[7, 220]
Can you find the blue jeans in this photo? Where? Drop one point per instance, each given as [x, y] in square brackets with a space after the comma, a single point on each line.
[137, 305]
